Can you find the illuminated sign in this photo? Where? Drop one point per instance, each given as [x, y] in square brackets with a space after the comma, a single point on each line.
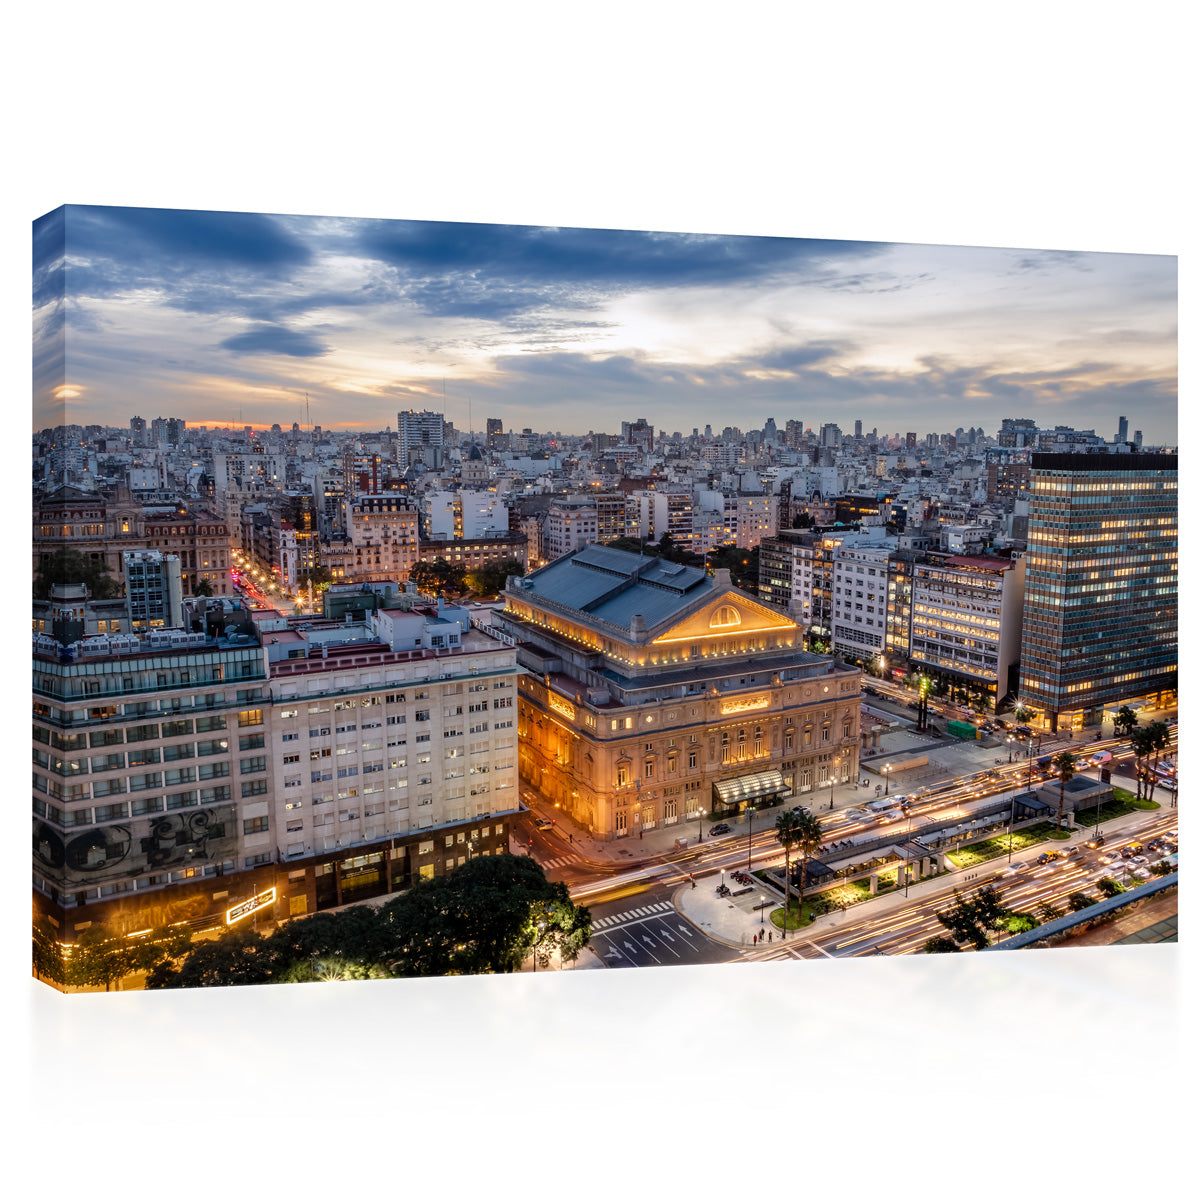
[745, 704]
[238, 911]
[562, 706]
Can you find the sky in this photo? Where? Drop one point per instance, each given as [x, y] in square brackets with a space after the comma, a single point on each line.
[234, 318]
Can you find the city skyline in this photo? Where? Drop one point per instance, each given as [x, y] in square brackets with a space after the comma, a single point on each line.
[253, 319]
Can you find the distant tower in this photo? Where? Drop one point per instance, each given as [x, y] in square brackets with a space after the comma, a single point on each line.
[858, 429]
[1122, 430]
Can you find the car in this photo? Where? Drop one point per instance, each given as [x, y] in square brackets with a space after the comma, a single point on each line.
[543, 823]
[801, 810]
[1139, 860]
[1045, 857]
[1013, 869]
[719, 828]
[912, 705]
[1140, 873]
[1070, 851]
[1109, 859]
[1096, 842]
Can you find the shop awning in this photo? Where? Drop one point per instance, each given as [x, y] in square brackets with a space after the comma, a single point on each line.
[750, 787]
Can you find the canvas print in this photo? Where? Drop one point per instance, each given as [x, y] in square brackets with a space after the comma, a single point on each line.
[417, 598]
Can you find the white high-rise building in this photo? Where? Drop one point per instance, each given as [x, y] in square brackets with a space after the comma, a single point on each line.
[417, 429]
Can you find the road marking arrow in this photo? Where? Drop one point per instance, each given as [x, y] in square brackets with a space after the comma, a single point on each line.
[631, 945]
[647, 939]
[685, 929]
[666, 935]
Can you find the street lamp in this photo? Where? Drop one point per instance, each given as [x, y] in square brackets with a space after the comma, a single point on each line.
[701, 837]
[887, 778]
[750, 810]
[1010, 748]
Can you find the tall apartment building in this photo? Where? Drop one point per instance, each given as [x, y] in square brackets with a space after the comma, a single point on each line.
[569, 524]
[177, 774]
[464, 513]
[383, 531]
[757, 518]
[860, 599]
[1101, 604]
[638, 433]
[966, 621]
[495, 433]
[153, 590]
[417, 429]
[610, 515]
[657, 693]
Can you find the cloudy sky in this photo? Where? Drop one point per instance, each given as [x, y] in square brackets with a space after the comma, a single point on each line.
[233, 317]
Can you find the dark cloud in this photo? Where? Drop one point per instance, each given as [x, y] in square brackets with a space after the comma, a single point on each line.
[169, 240]
[275, 339]
[1050, 260]
[494, 271]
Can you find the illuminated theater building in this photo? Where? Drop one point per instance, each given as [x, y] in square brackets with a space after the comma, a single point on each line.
[657, 694]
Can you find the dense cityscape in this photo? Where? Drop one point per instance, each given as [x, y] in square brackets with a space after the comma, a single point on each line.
[319, 703]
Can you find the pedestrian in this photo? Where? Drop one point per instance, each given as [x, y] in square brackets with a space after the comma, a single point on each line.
[770, 935]
[641, 834]
[571, 838]
[756, 939]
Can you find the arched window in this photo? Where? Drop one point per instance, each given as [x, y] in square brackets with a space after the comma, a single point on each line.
[724, 616]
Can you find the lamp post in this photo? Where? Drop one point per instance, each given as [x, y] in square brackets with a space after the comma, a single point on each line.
[887, 778]
[1010, 746]
[701, 837]
[750, 810]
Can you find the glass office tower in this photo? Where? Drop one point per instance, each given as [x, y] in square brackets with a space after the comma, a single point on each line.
[1100, 622]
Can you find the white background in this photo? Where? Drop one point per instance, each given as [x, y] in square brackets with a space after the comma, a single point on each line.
[1033, 125]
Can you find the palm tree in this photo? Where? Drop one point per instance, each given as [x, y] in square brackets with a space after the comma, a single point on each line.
[808, 842]
[1158, 739]
[1065, 763]
[788, 833]
[1142, 741]
[1125, 720]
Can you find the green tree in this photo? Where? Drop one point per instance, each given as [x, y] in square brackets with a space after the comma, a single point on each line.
[942, 945]
[48, 961]
[1126, 720]
[436, 577]
[807, 842]
[1048, 911]
[1162, 867]
[1021, 714]
[1142, 741]
[1158, 739]
[1109, 887]
[490, 578]
[202, 587]
[98, 958]
[787, 830]
[1077, 902]
[484, 917]
[1064, 763]
[239, 956]
[67, 566]
[802, 521]
[971, 918]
